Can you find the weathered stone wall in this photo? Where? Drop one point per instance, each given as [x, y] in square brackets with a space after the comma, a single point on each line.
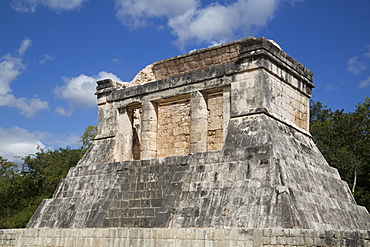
[197, 60]
[259, 75]
[215, 103]
[173, 137]
[282, 100]
[179, 237]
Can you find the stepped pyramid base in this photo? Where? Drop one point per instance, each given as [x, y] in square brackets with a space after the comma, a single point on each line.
[264, 184]
[268, 176]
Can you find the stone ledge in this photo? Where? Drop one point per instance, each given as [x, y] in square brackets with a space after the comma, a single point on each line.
[181, 237]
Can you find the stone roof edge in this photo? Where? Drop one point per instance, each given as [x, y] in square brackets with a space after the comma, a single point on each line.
[204, 50]
[247, 45]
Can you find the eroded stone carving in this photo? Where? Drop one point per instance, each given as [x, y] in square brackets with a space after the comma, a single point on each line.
[144, 76]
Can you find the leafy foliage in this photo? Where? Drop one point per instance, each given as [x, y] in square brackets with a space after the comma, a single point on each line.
[23, 188]
[343, 138]
[88, 137]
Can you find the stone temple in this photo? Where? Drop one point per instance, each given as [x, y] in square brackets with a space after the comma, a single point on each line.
[210, 148]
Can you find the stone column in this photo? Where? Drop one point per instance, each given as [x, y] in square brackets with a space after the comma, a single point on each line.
[226, 115]
[125, 134]
[149, 130]
[198, 122]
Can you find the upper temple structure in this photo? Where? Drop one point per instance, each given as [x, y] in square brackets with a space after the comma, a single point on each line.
[216, 138]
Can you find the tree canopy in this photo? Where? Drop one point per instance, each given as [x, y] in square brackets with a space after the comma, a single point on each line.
[343, 139]
[22, 188]
[88, 137]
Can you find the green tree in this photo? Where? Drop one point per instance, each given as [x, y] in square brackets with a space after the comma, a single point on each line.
[343, 138]
[88, 137]
[47, 167]
[22, 188]
[14, 195]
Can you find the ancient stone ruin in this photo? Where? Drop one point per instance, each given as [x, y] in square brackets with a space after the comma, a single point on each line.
[208, 148]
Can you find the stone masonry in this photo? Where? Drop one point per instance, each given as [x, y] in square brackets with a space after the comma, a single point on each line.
[210, 143]
[180, 237]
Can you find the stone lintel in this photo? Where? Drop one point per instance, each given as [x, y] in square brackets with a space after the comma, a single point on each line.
[205, 78]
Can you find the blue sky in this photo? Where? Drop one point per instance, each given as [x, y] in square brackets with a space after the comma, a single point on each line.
[53, 51]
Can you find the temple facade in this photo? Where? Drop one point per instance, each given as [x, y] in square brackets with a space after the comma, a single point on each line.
[218, 139]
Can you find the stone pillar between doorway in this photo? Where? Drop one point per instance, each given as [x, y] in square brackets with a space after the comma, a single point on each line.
[198, 122]
[226, 115]
[126, 133]
[149, 130]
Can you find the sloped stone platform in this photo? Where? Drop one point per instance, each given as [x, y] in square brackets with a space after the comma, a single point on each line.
[268, 175]
[213, 145]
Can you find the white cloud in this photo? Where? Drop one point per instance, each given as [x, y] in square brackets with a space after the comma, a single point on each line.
[64, 112]
[191, 22]
[24, 46]
[10, 68]
[355, 66]
[135, 13]
[30, 6]
[331, 87]
[79, 91]
[367, 54]
[220, 23]
[15, 142]
[27, 107]
[46, 58]
[365, 83]
[18, 142]
[63, 4]
[210, 24]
